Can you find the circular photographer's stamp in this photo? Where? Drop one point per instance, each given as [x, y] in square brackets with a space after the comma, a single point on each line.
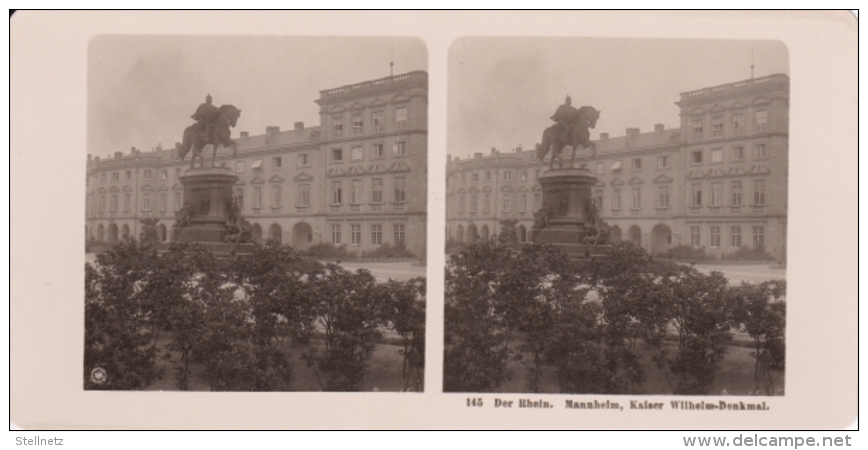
[98, 375]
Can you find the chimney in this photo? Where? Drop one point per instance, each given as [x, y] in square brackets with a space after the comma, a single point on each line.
[658, 127]
[119, 154]
[272, 130]
[245, 134]
[457, 158]
[493, 150]
[632, 131]
[604, 136]
[298, 126]
[96, 158]
[518, 149]
[160, 147]
[477, 155]
[89, 157]
[177, 145]
[448, 158]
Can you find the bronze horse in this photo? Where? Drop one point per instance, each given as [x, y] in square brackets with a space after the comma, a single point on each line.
[555, 139]
[197, 136]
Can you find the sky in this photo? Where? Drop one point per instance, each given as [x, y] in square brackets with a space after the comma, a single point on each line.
[502, 91]
[142, 90]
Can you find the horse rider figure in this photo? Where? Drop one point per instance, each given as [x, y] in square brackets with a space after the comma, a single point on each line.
[566, 117]
[206, 116]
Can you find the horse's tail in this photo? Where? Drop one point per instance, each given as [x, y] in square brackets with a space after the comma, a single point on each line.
[543, 149]
[186, 143]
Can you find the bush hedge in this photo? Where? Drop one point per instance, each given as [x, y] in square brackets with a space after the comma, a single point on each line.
[235, 318]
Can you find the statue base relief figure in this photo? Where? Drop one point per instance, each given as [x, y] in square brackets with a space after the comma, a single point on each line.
[568, 216]
[209, 216]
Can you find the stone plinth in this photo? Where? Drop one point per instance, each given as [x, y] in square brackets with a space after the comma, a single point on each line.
[566, 197]
[207, 193]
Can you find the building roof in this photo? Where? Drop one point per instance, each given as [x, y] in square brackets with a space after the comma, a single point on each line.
[650, 139]
[640, 140]
[279, 139]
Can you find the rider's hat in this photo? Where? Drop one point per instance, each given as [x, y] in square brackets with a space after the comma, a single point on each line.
[208, 98]
[568, 100]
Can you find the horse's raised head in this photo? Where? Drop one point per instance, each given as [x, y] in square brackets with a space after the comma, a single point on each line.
[590, 115]
[231, 113]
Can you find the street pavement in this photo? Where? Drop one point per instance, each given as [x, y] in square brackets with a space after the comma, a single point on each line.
[750, 273]
[400, 271]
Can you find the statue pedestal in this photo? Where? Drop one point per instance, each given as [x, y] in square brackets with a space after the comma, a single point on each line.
[208, 192]
[567, 195]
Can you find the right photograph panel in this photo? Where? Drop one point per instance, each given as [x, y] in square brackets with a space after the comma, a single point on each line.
[616, 217]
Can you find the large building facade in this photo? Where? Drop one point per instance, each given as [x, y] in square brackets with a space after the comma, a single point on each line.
[718, 182]
[358, 179]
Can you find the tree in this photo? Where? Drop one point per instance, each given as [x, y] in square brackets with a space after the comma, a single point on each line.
[508, 233]
[186, 279]
[348, 309]
[476, 346]
[120, 329]
[536, 285]
[271, 288]
[762, 313]
[149, 234]
[405, 309]
[700, 311]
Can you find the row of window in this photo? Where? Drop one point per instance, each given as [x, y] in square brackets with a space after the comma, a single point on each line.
[147, 174]
[377, 187]
[737, 153]
[488, 175]
[697, 191]
[736, 125]
[375, 232]
[147, 200]
[735, 236]
[357, 152]
[377, 122]
[505, 205]
[356, 195]
[662, 200]
[302, 160]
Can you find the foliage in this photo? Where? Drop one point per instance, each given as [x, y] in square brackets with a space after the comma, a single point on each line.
[762, 313]
[387, 250]
[236, 318]
[746, 253]
[453, 246]
[348, 309]
[149, 234]
[686, 252]
[476, 338]
[273, 284]
[700, 311]
[537, 295]
[120, 329]
[405, 309]
[508, 233]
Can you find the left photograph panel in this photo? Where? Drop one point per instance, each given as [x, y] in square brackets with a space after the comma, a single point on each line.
[256, 213]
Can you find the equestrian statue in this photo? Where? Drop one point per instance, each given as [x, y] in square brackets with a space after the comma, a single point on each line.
[571, 128]
[211, 127]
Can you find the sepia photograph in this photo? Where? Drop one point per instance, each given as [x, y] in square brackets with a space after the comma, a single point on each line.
[617, 216]
[255, 213]
[380, 220]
